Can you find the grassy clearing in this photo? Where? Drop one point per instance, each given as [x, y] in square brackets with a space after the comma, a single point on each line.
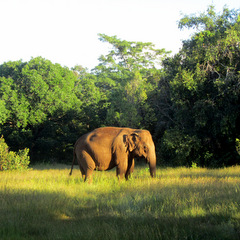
[45, 203]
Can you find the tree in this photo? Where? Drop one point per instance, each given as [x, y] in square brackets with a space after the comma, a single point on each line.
[204, 88]
[127, 73]
[93, 96]
[39, 103]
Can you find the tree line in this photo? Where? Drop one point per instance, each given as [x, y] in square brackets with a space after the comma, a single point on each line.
[190, 102]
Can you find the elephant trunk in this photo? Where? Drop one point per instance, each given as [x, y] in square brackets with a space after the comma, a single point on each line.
[152, 169]
[152, 163]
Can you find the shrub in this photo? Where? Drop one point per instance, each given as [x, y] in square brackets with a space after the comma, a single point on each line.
[238, 146]
[180, 149]
[10, 160]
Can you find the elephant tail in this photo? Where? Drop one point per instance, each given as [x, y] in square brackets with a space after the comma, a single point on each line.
[74, 156]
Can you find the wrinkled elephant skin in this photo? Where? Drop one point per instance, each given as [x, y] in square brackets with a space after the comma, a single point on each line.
[109, 147]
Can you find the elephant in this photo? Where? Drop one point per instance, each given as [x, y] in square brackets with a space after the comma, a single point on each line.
[108, 147]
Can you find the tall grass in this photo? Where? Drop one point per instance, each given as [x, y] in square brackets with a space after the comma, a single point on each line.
[181, 203]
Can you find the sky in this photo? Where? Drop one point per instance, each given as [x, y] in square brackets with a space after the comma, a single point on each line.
[66, 31]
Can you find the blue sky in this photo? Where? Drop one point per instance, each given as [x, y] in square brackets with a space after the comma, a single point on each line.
[66, 31]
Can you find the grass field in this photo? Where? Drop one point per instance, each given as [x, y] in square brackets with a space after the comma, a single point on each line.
[181, 203]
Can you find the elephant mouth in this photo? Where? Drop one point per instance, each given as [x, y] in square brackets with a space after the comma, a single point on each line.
[141, 159]
[138, 159]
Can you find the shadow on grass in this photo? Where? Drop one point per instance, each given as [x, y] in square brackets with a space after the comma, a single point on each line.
[40, 215]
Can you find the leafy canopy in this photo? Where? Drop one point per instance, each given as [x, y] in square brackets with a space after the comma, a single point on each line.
[204, 87]
[128, 73]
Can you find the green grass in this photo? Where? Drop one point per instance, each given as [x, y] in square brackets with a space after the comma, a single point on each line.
[181, 203]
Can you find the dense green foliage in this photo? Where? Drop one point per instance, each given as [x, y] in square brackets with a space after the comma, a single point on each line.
[190, 101]
[129, 75]
[10, 160]
[39, 104]
[204, 91]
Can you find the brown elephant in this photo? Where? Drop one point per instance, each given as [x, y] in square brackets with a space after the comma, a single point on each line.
[109, 147]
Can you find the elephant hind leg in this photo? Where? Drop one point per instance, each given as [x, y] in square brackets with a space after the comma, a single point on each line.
[82, 171]
[88, 176]
[87, 166]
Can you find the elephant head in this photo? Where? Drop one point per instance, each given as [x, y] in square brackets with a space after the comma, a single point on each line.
[140, 144]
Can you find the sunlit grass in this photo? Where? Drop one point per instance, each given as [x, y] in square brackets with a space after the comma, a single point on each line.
[181, 203]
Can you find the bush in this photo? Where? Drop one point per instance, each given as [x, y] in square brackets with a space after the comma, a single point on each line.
[10, 160]
[180, 149]
[238, 146]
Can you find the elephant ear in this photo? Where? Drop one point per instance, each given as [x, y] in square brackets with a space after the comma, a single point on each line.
[131, 141]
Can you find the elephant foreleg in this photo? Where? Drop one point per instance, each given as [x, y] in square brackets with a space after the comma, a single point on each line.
[122, 169]
[130, 168]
